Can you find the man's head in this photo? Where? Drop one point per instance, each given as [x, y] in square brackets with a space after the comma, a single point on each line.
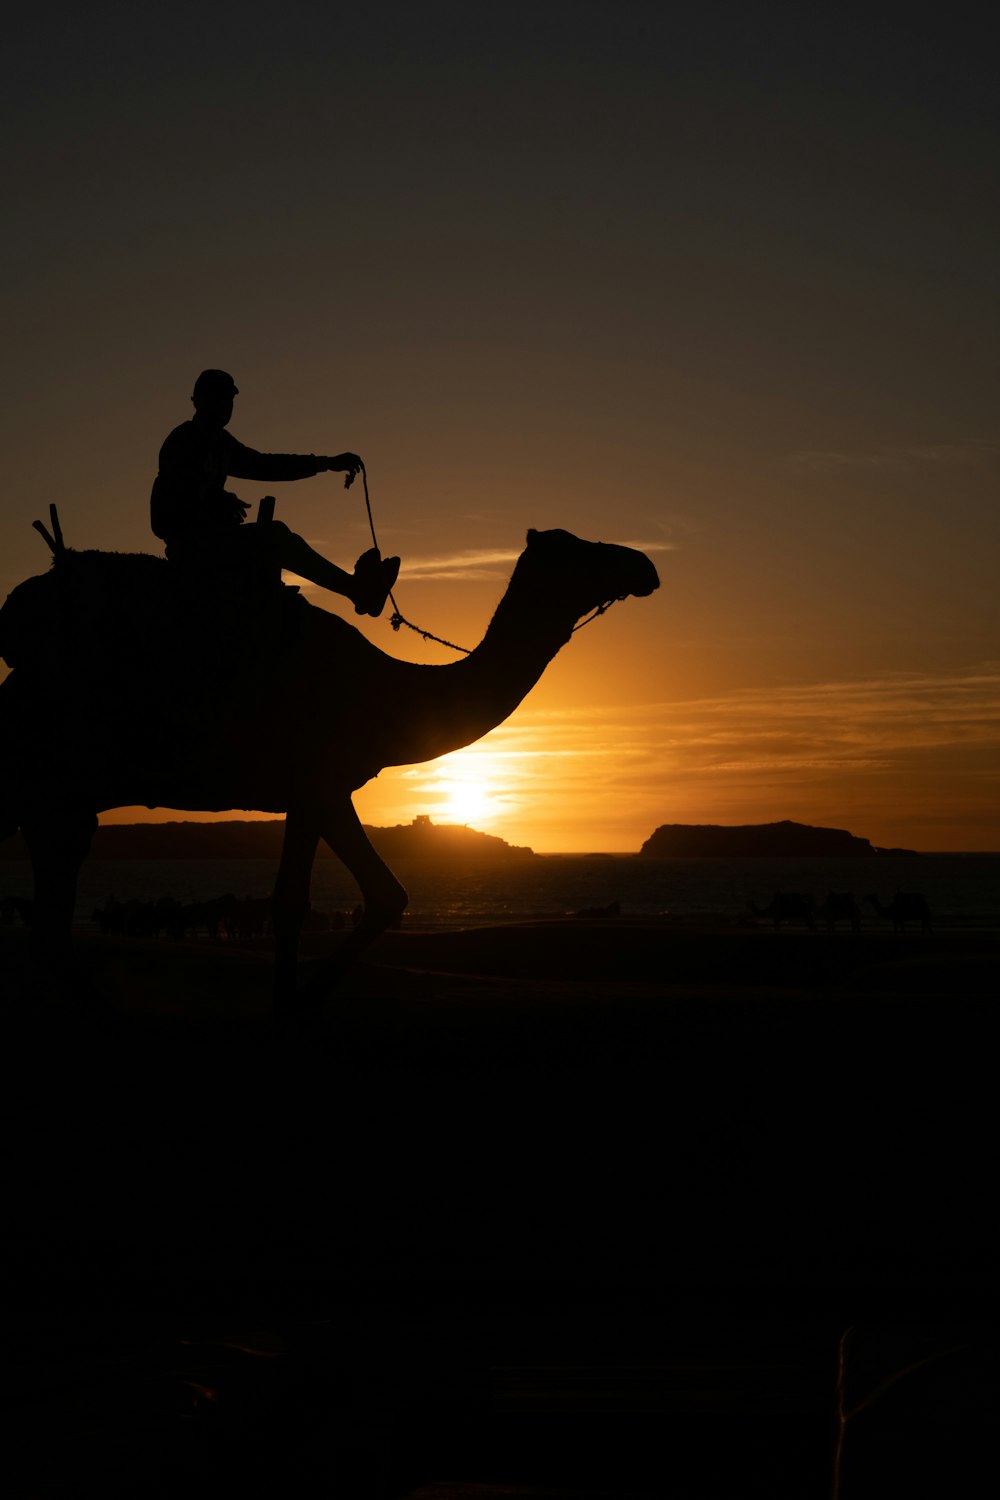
[213, 396]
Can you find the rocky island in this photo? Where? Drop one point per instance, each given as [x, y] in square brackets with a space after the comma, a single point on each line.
[423, 839]
[755, 841]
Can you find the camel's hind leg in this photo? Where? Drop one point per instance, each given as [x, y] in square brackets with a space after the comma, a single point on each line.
[57, 844]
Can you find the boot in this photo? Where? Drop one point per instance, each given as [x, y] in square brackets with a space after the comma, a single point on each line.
[374, 577]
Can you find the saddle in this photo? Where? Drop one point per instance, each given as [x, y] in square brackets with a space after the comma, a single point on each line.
[137, 612]
[145, 653]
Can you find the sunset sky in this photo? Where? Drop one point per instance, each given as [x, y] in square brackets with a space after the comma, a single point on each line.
[718, 280]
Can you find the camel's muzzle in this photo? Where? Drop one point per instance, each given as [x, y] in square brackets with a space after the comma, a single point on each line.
[647, 578]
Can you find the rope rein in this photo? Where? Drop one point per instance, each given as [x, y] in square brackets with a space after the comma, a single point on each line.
[397, 618]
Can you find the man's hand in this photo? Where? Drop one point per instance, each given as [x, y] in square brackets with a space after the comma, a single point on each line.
[349, 461]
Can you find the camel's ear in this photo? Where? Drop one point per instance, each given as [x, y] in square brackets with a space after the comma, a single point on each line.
[532, 533]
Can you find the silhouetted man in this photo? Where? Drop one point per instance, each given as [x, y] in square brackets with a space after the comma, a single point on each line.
[200, 520]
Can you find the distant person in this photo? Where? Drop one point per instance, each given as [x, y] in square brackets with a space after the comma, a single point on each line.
[202, 523]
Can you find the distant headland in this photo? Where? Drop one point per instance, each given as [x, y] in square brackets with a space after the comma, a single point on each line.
[260, 838]
[756, 841]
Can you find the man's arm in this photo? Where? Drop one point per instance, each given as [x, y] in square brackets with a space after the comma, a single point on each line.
[246, 463]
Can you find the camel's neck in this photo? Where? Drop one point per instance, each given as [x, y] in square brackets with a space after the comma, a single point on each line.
[514, 653]
[449, 707]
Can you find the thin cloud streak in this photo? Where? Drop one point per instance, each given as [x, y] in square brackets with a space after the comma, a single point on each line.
[483, 563]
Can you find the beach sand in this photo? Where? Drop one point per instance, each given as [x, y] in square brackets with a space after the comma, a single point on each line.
[579, 1205]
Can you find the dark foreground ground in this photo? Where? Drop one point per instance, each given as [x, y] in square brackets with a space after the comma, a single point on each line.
[560, 1208]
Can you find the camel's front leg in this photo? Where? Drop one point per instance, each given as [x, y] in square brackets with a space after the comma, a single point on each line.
[383, 896]
[291, 900]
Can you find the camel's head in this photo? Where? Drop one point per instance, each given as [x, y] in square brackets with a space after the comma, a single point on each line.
[588, 574]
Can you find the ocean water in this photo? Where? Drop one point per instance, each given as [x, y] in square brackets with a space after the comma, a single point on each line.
[963, 890]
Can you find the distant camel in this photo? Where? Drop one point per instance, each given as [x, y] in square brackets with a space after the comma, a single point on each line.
[786, 906]
[119, 720]
[905, 906]
[840, 906]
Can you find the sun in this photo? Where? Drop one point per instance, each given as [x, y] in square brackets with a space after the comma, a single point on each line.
[467, 802]
[469, 786]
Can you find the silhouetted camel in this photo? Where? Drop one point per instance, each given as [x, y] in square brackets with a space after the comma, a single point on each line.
[786, 906]
[297, 732]
[905, 906]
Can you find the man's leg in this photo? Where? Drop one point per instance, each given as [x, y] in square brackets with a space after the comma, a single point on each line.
[367, 587]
